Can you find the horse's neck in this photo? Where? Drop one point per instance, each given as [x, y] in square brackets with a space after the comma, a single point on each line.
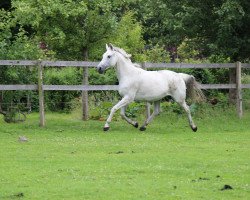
[124, 68]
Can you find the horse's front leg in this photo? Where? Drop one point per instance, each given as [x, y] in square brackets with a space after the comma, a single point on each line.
[151, 117]
[124, 102]
[123, 115]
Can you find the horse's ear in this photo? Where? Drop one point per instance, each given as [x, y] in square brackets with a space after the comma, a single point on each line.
[111, 46]
[107, 47]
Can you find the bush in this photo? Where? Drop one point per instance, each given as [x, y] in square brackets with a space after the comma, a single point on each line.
[157, 54]
[61, 100]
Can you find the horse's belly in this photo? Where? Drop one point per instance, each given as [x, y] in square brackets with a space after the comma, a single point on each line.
[152, 92]
[149, 98]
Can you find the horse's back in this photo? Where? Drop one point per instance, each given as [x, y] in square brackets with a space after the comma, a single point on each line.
[154, 85]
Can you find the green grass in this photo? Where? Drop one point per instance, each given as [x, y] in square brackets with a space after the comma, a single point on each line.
[71, 159]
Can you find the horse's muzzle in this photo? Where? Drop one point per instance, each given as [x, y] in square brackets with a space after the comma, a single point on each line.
[100, 70]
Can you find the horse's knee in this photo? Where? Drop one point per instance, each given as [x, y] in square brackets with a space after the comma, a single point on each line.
[114, 109]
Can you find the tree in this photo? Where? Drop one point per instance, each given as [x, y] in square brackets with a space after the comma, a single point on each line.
[215, 27]
[15, 44]
[129, 34]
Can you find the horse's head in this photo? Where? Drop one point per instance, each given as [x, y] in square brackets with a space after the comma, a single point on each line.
[109, 59]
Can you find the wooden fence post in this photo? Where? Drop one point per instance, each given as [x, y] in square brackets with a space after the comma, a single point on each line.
[1, 101]
[85, 103]
[41, 94]
[232, 91]
[147, 106]
[238, 90]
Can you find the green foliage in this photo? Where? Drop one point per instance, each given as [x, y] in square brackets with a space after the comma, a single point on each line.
[229, 21]
[15, 43]
[135, 110]
[186, 50]
[68, 28]
[224, 32]
[246, 92]
[14, 40]
[129, 35]
[157, 54]
[172, 107]
[14, 115]
[101, 111]
[109, 78]
[188, 53]
[61, 100]
[161, 21]
[201, 31]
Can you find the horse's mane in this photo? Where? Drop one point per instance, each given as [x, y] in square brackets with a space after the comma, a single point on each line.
[126, 55]
[122, 51]
[137, 65]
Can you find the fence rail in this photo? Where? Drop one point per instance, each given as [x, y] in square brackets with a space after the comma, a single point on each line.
[102, 87]
[85, 87]
[94, 64]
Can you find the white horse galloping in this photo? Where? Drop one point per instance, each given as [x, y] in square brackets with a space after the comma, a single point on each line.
[150, 86]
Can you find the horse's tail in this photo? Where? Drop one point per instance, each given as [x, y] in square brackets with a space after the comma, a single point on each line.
[194, 91]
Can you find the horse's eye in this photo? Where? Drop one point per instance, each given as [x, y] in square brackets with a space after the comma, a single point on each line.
[109, 56]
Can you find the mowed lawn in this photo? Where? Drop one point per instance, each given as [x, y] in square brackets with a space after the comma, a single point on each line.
[72, 159]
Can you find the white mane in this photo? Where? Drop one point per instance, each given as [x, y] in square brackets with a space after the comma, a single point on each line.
[122, 51]
[126, 55]
[137, 65]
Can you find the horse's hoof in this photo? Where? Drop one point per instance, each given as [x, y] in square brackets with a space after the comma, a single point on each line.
[136, 125]
[194, 128]
[105, 128]
[142, 128]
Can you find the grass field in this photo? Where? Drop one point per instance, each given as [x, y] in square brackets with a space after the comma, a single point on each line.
[71, 159]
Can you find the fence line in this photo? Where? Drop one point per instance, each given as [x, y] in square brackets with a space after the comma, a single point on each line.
[103, 87]
[85, 87]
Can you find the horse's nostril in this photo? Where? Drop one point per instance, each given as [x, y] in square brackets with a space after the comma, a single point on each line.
[100, 70]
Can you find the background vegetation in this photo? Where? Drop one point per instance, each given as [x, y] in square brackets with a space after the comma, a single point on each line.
[157, 31]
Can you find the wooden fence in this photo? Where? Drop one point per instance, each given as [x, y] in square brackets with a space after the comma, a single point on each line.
[85, 87]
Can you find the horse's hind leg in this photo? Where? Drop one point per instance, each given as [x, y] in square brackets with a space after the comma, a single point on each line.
[123, 109]
[151, 117]
[186, 108]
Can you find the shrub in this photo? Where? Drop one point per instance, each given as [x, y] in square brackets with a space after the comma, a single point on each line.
[61, 100]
